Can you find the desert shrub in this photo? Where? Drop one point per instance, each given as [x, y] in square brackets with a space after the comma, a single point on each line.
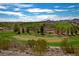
[67, 48]
[50, 33]
[22, 45]
[4, 44]
[38, 47]
[31, 43]
[5, 39]
[14, 44]
[41, 47]
[18, 44]
[70, 47]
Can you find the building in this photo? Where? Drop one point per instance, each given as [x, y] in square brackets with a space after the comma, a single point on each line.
[3, 29]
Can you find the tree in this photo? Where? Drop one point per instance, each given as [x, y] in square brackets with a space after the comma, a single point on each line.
[28, 30]
[15, 28]
[23, 30]
[42, 29]
[64, 28]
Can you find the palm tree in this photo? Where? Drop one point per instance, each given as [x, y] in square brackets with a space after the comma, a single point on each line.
[63, 28]
[42, 29]
[17, 28]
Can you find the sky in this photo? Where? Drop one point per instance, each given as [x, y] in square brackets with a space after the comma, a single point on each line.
[31, 12]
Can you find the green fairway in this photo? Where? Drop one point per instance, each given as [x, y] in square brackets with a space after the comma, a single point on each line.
[74, 40]
[55, 44]
[7, 35]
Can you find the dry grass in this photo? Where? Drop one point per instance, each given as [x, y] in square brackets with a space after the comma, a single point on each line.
[31, 37]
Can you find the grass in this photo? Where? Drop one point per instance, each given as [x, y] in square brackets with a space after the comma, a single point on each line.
[55, 44]
[7, 37]
[71, 45]
[74, 40]
[52, 41]
[4, 43]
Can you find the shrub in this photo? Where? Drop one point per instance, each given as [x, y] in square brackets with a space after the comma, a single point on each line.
[4, 44]
[38, 47]
[69, 45]
[31, 43]
[41, 47]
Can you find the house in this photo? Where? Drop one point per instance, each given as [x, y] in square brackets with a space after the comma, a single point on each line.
[3, 29]
[50, 31]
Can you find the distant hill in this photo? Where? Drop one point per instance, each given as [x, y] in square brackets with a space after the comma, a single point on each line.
[75, 21]
[46, 21]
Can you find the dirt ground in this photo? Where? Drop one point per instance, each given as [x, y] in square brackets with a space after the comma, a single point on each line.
[52, 51]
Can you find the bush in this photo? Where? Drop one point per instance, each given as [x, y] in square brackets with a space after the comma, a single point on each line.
[38, 47]
[41, 47]
[4, 44]
[69, 48]
[31, 43]
[18, 44]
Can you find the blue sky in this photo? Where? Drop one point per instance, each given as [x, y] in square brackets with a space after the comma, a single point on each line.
[26, 12]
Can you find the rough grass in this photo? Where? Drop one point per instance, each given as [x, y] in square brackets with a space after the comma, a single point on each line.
[71, 45]
[74, 40]
[52, 41]
[8, 37]
[5, 39]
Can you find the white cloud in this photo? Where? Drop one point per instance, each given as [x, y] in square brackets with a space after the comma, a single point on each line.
[24, 5]
[16, 9]
[56, 6]
[36, 18]
[39, 1]
[71, 6]
[46, 17]
[77, 10]
[12, 13]
[43, 17]
[60, 10]
[3, 7]
[39, 10]
[9, 20]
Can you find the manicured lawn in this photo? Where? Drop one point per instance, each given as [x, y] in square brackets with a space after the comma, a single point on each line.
[7, 35]
[55, 44]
